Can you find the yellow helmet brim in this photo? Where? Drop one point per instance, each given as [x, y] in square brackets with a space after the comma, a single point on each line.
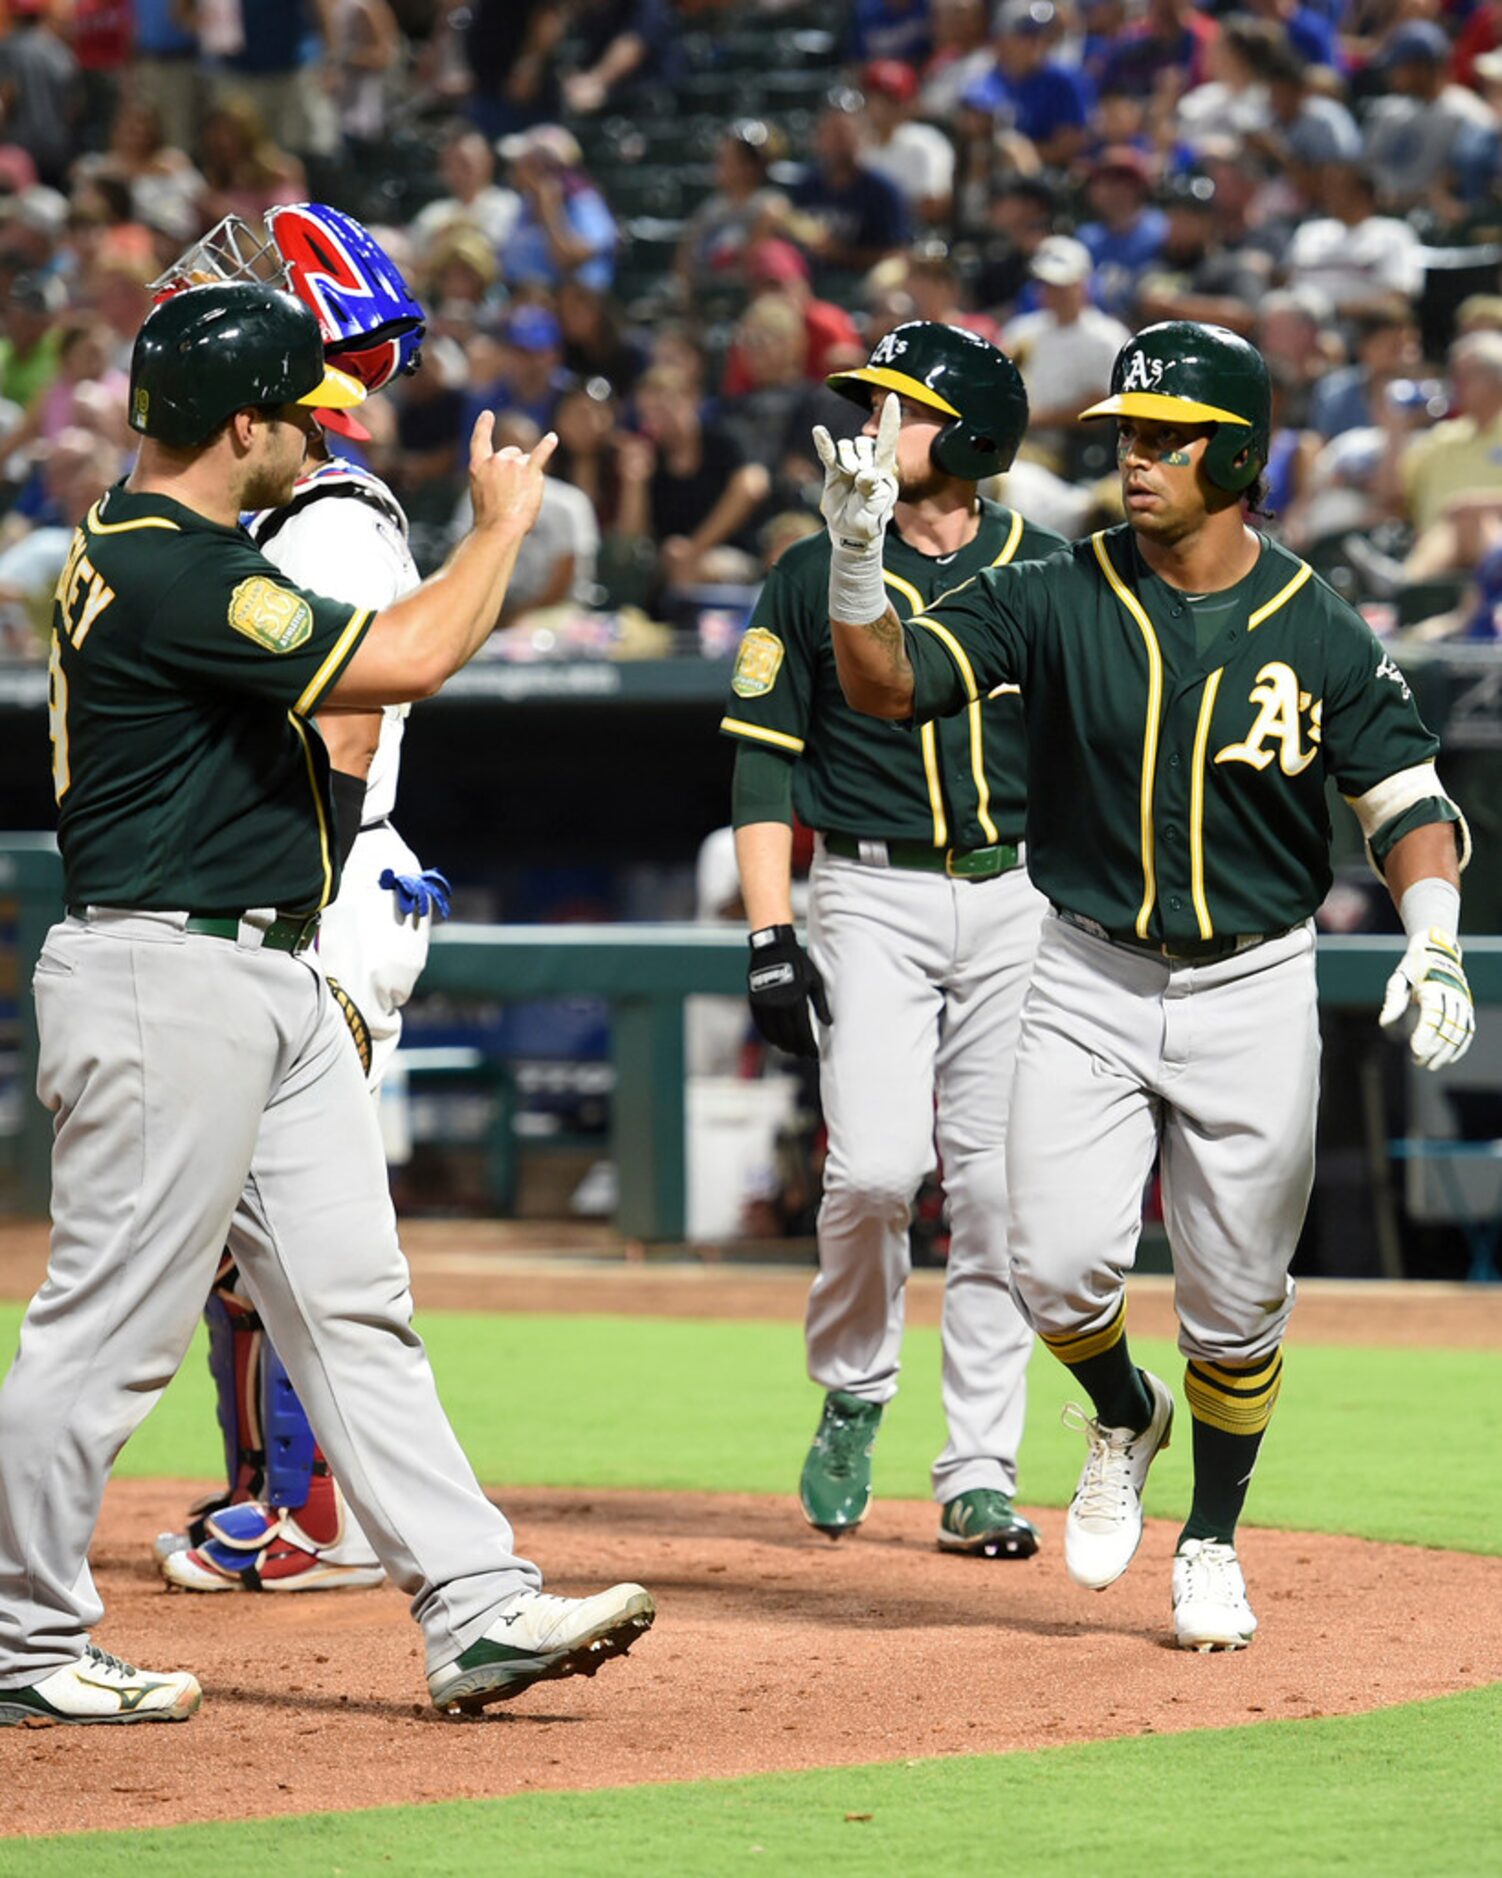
[889, 380]
[1166, 410]
[337, 392]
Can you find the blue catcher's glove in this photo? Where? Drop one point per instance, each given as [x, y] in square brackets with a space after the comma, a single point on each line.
[427, 892]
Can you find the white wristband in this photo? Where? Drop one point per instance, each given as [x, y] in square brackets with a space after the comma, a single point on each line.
[1431, 904]
[857, 593]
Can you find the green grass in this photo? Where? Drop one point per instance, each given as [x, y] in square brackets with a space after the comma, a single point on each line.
[1384, 1444]
[1410, 1791]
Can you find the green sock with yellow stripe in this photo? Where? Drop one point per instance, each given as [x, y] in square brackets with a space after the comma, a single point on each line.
[1231, 1408]
[1103, 1367]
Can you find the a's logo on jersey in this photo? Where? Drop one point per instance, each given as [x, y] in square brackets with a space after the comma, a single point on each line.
[1142, 373]
[270, 615]
[1281, 705]
[1388, 670]
[757, 663]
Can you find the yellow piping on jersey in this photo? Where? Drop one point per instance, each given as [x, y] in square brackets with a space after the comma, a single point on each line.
[738, 727]
[96, 527]
[1150, 729]
[323, 823]
[977, 735]
[928, 737]
[314, 689]
[1197, 806]
[1269, 607]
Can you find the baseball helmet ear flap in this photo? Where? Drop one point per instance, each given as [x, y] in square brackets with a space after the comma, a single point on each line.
[962, 449]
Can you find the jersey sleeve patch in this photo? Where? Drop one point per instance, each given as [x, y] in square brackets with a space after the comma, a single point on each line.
[270, 615]
[757, 663]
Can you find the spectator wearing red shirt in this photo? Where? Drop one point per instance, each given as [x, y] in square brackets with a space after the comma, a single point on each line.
[833, 342]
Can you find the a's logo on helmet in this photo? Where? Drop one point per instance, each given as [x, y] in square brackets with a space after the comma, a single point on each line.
[270, 615]
[1142, 373]
[892, 347]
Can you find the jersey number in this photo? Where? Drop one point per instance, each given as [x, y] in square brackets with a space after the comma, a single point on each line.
[57, 719]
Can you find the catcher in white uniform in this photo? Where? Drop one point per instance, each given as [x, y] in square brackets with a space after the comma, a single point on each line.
[281, 1523]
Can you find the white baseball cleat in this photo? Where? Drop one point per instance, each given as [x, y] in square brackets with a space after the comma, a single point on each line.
[536, 1637]
[1210, 1610]
[100, 1688]
[1104, 1525]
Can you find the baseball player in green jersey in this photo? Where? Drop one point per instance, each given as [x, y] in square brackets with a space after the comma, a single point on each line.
[198, 1068]
[1187, 686]
[922, 929]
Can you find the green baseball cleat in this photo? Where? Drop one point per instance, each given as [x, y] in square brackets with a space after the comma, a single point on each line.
[985, 1524]
[835, 1491]
[100, 1688]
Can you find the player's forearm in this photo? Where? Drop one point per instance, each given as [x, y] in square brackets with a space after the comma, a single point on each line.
[764, 855]
[876, 675]
[1425, 860]
[419, 642]
[350, 737]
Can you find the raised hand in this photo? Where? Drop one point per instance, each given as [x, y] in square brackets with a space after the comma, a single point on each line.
[860, 482]
[505, 486]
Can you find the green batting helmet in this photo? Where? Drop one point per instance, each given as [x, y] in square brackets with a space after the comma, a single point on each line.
[958, 373]
[1180, 372]
[210, 351]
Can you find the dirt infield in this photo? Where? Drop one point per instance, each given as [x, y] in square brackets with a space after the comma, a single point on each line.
[773, 1649]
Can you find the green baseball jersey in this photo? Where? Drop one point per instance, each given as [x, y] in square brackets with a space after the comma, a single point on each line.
[958, 783]
[1177, 749]
[184, 668]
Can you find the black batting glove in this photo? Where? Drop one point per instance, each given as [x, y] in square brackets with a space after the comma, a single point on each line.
[781, 982]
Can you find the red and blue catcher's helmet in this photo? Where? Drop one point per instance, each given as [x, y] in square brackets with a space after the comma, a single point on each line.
[372, 327]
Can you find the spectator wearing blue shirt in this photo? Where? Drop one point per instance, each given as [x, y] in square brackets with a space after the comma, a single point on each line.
[565, 228]
[532, 378]
[844, 214]
[890, 29]
[1042, 100]
[278, 38]
[1128, 234]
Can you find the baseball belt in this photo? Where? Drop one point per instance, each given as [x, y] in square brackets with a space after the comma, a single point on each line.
[288, 932]
[1173, 951]
[921, 857]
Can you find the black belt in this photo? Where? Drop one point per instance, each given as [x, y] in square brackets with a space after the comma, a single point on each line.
[1174, 951]
[381, 821]
[288, 932]
[920, 856]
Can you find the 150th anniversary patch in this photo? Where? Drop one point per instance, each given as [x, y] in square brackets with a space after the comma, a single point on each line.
[270, 615]
[757, 663]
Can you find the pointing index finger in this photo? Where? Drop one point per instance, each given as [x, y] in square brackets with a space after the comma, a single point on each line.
[888, 425]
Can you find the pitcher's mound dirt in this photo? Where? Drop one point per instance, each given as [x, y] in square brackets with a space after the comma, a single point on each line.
[773, 1649]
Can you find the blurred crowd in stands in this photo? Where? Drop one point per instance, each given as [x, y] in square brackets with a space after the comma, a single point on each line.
[655, 225]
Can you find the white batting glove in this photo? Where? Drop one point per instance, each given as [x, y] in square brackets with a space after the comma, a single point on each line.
[860, 492]
[1432, 978]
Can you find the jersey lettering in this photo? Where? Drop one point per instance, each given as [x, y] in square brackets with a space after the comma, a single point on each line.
[57, 720]
[81, 594]
[1281, 704]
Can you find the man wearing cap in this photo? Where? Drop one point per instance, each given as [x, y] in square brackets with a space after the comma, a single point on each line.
[1425, 126]
[1041, 99]
[1128, 235]
[921, 933]
[1189, 692]
[194, 1057]
[565, 227]
[1065, 350]
[915, 158]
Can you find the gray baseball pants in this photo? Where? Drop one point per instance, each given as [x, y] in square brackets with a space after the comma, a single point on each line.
[925, 978]
[1213, 1067]
[206, 1091]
